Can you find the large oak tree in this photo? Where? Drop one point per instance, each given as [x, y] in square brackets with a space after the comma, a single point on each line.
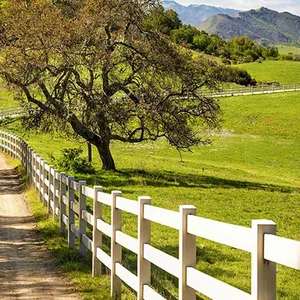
[97, 66]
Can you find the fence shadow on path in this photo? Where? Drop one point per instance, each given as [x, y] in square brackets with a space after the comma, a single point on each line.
[27, 269]
[10, 182]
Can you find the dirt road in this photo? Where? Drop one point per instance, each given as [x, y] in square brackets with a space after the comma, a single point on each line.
[27, 270]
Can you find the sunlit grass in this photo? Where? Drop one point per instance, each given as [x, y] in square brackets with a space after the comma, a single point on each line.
[251, 171]
[285, 49]
[274, 71]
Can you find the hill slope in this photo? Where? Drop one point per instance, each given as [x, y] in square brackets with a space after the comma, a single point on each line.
[263, 25]
[195, 14]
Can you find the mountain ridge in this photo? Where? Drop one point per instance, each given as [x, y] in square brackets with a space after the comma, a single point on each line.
[194, 14]
[262, 25]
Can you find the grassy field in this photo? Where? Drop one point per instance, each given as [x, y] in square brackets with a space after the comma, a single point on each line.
[285, 49]
[6, 97]
[274, 71]
[251, 171]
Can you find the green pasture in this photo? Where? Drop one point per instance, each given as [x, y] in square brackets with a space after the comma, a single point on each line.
[286, 49]
[251, 171]
[274, 71]
[6, 97]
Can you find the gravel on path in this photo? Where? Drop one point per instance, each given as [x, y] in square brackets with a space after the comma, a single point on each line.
[27, 269]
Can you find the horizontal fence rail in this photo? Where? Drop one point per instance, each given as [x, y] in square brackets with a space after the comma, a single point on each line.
[65, 199]
[16, 111]
[11, 111]
[253, 90]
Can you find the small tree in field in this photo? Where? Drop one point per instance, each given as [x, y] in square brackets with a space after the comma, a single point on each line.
[95, 66]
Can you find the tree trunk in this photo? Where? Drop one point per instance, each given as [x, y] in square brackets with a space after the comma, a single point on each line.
[105, 155]
[89, 147]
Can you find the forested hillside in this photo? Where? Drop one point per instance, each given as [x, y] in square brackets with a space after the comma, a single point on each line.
[235, 50]
[194, 14]
[263, 25]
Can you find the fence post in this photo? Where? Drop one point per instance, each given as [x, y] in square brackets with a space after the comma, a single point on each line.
[6, 143]
[45, 188]
[82, 222]
[50, 193]
[29, 162]
[63, 209]
[13, 146]
[41, 163]
[36, 176]
[144, 237]
[263, 272]
[71, 215]
[97, 235]
[116, 249]
[55, 188]
[33, 164]
[187, 252]
[1, 139]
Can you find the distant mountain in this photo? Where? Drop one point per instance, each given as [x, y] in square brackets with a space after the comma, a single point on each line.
[263, 25]
[195, 14]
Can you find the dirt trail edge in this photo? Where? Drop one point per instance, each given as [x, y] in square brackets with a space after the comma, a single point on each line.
[27, 270]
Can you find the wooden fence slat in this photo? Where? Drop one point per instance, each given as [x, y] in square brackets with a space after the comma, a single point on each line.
[282, 251]
[71, 215]
[55, 198]
[116, 249]
[97, 235]
[144, 236]
[263, 275]
[63, 208]
[187, 252]
[82, 222]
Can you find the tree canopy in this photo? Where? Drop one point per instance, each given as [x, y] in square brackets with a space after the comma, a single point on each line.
[97, 67]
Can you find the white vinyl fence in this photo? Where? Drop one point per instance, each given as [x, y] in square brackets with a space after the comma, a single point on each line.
[254, 90]
[57, 192]
[16, 111]
[11, 111]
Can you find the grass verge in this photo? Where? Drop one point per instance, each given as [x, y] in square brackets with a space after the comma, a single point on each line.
[78, 268]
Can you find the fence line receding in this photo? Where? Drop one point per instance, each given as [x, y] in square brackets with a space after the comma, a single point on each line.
[65, 198]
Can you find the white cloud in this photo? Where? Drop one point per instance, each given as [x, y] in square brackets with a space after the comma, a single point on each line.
[293, 6]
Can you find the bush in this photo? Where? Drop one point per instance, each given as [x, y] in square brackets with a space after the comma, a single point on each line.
[240, 76]
[226, 61]
[72, 161]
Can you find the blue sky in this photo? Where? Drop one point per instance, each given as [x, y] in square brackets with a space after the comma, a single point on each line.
[292, 6]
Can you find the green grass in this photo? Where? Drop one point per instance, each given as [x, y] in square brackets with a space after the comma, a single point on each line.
[77, 267]
[6, 97]
[285, 49]
[251, 171]
[274, 71]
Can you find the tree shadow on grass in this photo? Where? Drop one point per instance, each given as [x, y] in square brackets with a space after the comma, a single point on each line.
[138, 177]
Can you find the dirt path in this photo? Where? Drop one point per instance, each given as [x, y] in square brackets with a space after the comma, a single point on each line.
[27, 270]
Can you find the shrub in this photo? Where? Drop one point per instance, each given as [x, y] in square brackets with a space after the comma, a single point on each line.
[72, 161]
[226, 61]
